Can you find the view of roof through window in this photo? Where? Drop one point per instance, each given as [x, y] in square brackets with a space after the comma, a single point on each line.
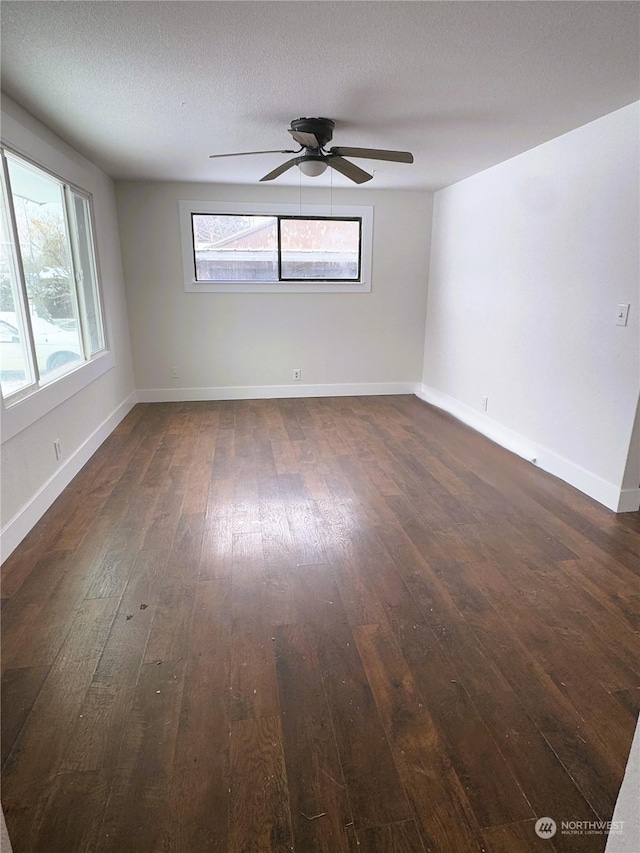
[273, 248]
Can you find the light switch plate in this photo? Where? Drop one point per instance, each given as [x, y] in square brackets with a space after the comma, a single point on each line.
[622, 315]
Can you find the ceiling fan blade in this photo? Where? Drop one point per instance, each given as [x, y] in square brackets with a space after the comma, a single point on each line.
[375, 154]
[349, 170]
[280, 170]
[307, 140]
[246, 153]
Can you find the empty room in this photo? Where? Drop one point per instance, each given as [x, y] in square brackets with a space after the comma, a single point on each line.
[320, 385]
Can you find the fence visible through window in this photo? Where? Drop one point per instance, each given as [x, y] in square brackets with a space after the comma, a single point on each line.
[244, 248]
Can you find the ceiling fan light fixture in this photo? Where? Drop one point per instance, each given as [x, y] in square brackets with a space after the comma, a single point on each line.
[312, 167]
[312, 135]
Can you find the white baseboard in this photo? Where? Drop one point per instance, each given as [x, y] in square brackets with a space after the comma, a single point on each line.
[25, 519]
[502, 435]
[591, 484]
[268, 392]
[629, 500]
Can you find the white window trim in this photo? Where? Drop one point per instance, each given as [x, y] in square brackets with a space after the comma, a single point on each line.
[363, 285]
[26, 406]
[19, 414]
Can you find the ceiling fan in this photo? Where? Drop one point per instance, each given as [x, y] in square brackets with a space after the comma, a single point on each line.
[313, 134]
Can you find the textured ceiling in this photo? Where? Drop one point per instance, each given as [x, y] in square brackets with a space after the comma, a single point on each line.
[149, 89]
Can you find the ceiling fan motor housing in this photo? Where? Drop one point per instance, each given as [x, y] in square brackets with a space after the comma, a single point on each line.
[321, 128]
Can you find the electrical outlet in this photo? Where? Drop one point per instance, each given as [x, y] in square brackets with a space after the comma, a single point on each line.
[175, 373]
[56, 448]
[485, 403]
[297, 374]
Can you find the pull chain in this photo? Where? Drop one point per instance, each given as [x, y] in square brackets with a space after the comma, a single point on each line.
[330, 192]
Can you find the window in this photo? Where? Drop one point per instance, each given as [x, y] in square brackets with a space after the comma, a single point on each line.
[50, 314]
[320, 249]
[275, 248]
[254, 248]
[235, 248]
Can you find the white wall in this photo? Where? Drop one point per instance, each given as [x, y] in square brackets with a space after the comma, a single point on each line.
[31, 476]
[529, 261]
[247, 344]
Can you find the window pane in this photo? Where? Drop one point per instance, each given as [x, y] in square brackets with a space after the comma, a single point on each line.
[15, 367]
[320, 248]
[235, 248]
[88, 284]
[44, 245]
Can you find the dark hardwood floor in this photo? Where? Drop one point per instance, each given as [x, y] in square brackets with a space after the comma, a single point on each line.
[334, 625]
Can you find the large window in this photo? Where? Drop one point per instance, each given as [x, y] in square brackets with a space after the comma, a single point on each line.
[50, 315]
[254, 248]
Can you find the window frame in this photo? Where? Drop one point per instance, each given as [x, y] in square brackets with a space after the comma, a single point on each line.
[27, 404]
[307, 218]
[188, 208]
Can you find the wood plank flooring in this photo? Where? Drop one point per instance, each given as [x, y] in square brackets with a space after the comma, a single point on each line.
[329, 625]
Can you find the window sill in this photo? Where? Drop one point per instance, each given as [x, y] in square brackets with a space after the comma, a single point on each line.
[18, 415]
[278, 287]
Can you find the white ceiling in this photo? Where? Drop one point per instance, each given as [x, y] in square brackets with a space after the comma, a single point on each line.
[149, 89]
